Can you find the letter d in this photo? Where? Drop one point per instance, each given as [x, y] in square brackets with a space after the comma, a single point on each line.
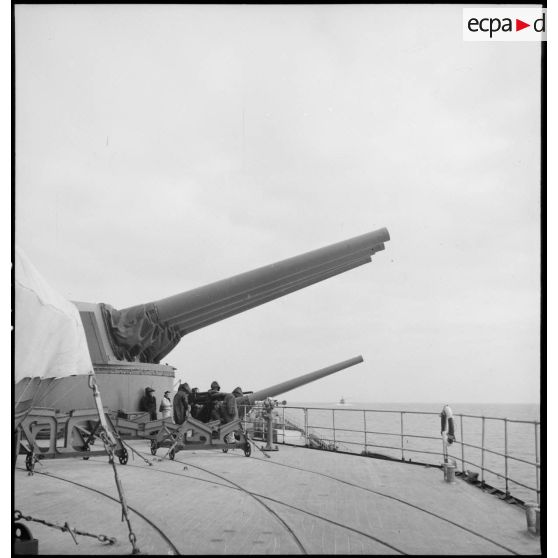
[542, 21]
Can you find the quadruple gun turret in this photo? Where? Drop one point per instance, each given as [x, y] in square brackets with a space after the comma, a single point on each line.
[127, 345]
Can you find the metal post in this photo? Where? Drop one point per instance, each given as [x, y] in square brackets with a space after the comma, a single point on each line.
[268, 407]
[333, 421]
[462, 445]
[482, 454]
[306, 426]
[537, 462]
[402, 450]
[270, 430]
[284, 427]
[365, 440]
[506, 453]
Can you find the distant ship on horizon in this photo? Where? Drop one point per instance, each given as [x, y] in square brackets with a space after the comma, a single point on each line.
[342, 401]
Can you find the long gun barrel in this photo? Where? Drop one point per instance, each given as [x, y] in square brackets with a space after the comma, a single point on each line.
[148, 332]
[289, 385]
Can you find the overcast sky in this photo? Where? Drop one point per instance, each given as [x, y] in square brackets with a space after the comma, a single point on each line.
[160, 148]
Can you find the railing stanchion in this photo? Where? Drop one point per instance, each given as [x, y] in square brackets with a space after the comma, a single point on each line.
[365, 438]
[506, 454]
[402, 430]
[462, 444]
[284, 426]
[306, 426]
[482, 454]
[537, 465]
[333, 423]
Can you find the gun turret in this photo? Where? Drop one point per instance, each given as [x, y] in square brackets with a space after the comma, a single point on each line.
[148, 332]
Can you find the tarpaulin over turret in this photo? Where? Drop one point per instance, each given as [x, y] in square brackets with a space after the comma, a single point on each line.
[49, 337]
[138, 332]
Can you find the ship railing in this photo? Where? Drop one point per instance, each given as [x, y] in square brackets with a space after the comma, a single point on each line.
[480, 456]
[508, 458]
[255, 424]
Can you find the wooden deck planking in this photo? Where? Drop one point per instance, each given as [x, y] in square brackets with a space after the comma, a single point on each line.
[202, 514]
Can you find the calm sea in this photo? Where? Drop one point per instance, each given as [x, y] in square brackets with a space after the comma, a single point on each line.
[344, 425]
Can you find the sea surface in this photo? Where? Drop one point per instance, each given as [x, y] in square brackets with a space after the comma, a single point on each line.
[345, 425]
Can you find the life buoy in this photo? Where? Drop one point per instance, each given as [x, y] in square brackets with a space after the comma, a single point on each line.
[447, 423]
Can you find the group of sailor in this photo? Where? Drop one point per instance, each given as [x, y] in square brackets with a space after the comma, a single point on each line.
[205, 407]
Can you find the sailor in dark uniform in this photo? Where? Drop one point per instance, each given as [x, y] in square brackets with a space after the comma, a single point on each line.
[148, 403]
[243, 403]
[180, 406]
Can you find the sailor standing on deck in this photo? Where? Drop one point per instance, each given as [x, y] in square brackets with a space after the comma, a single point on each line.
[180, 406]
[215, 400]
[242, 402]
[166, 406]
[148, 403]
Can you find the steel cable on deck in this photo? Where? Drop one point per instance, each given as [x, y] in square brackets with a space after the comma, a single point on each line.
[178, 474]
[395, 498]
[272, 512]
[146, 519]
[470, 531]
[389, 496]
[257, 496]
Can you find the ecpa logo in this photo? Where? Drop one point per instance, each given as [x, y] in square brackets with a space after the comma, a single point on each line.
[504, 24]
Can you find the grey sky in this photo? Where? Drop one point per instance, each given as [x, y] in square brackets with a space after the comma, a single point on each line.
[160, 148]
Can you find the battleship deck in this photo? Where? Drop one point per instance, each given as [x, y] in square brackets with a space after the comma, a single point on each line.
[296, 501]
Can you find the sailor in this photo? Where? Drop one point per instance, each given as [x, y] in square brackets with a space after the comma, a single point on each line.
[228, 410]
[180, 407]
[222, 405]
[201, 404]
[242, 402]
[215, 400]
[148, 403]
[166, 405]
[195, 407]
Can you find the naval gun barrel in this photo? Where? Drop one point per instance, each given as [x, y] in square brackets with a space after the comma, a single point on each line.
[205, 305]
[148, 332]
[243, 402]
[289, 385]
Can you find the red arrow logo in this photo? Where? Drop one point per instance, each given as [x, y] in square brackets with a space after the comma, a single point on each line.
[519, 25]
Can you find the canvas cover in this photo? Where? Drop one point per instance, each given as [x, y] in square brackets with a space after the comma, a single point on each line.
[49, 336]
[138, 332]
